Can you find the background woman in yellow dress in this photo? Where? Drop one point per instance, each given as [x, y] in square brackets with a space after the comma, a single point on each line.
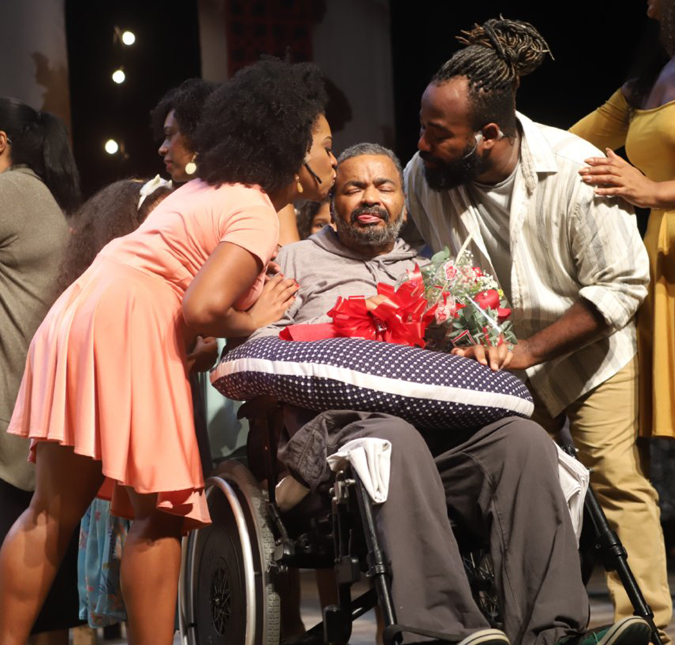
[641, 116]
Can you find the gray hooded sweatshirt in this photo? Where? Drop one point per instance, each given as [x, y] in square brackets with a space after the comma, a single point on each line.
[326, 269]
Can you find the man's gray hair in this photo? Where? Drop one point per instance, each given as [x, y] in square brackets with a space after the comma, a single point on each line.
[361, 149]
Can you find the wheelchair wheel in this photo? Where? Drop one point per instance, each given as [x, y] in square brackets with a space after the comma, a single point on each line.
[480, 572]
[226, 594]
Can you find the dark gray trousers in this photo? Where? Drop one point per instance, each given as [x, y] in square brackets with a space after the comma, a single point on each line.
[502, 483]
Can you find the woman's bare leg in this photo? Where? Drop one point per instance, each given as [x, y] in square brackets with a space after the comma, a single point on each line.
[66, 483]
[58, 637]
[150, 569]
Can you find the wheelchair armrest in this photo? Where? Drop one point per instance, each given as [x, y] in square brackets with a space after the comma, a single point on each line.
[265, 419]
[268, 419]
[260, 406]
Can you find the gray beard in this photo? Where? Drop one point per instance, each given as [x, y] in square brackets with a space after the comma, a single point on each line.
[375, 236]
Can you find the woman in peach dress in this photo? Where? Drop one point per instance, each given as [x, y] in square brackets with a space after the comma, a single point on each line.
[105, 396]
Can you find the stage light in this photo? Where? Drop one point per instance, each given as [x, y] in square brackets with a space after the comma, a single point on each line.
[128, 38]
[118, 76]
[111, 147]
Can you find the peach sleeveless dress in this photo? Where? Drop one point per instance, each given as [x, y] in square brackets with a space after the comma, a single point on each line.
[106, 371]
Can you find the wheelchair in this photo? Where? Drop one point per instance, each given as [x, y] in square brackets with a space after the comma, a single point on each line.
[230, 569]
[227, 589]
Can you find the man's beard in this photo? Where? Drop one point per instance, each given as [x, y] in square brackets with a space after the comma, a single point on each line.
[366, 236]
[447, 175]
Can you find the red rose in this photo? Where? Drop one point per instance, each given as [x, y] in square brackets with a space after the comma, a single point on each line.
[478, 272]
[487, 299]
[503, 314]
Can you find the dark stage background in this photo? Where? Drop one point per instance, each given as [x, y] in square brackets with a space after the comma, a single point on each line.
[593, 43]
[165, 53]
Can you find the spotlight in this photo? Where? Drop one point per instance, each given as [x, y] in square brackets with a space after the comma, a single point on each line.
[118, 76]
[111, 146]
[128, 38]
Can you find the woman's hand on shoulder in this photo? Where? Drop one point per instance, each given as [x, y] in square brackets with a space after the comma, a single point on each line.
[613, 176]
[277, 296]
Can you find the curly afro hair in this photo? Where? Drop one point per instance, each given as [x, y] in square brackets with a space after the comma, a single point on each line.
[111, 213]
[186, 101]
[257, 127]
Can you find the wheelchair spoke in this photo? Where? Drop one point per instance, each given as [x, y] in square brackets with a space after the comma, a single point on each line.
[221, 599]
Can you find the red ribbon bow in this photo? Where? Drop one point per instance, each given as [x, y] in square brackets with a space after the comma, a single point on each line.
[402, 320]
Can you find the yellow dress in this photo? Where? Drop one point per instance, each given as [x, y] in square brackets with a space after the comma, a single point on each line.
[649, 137]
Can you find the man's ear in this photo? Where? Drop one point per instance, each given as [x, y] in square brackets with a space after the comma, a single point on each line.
[404, 212]
[491, 134]
[4, 141]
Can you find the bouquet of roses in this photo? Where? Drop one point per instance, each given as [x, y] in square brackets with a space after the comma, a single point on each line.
[469, 308]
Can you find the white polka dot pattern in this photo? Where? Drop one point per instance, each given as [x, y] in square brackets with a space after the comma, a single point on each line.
[428, 389]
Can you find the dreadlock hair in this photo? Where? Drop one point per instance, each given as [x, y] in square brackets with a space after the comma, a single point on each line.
[496, 55]
[39, 140]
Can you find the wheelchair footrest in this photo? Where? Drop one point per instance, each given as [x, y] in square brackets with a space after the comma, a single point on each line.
[337, 625]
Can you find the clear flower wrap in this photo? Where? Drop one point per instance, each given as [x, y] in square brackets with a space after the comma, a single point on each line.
[469, 307]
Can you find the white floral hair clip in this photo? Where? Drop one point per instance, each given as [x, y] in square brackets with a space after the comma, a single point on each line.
[151, 186]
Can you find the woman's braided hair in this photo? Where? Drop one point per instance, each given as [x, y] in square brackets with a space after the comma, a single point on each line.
[496, 54]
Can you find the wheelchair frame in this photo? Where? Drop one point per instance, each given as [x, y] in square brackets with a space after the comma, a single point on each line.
[266, 549]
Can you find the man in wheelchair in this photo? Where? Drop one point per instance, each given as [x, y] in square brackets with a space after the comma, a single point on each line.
[499, 481]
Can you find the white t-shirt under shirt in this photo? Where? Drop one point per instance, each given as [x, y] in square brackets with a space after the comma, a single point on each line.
[493, 202]
[567, 243]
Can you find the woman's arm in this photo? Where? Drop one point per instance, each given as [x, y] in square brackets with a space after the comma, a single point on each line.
[607, 126]
[229, 272]
[614, 176]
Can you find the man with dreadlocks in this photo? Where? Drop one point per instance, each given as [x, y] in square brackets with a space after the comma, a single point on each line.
[570, 262]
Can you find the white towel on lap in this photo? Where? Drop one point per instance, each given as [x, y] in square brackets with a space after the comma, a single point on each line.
[371, 459]
[574, 478]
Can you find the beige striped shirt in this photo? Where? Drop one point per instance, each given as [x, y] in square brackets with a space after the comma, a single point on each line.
[566, 243]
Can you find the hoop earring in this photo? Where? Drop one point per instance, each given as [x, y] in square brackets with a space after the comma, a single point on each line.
[300, 188]
[191, 166]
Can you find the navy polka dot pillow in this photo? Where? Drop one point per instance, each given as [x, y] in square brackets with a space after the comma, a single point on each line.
[428, 389]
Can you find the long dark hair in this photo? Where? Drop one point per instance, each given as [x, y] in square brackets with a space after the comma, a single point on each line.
[112, 212]
[39, 140]
[655, 49]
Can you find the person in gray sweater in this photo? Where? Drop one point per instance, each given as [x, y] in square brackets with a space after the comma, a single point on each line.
[39, 189]
[483, 479]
